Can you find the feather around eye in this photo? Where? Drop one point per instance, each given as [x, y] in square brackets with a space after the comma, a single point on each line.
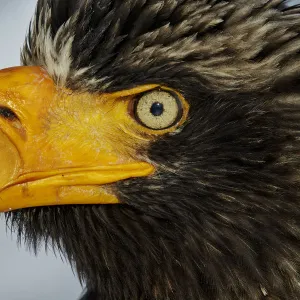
[158, 109]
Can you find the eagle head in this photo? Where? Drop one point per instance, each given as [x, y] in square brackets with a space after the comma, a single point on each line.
[155, 144]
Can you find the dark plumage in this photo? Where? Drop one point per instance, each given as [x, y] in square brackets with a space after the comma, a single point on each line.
[220, 219]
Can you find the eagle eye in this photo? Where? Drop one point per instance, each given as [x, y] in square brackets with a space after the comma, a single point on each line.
[158, 109]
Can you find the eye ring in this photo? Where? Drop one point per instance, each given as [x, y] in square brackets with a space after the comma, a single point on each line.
[158, 109]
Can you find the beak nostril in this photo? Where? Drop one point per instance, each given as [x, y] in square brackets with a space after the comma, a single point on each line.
[13, 126]
[8, 114]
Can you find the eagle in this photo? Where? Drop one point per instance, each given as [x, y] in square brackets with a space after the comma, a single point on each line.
[155, 144]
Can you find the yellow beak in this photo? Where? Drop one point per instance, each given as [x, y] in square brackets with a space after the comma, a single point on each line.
[59, 147]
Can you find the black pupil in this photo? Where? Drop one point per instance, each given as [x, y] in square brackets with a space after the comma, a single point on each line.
[157, 109]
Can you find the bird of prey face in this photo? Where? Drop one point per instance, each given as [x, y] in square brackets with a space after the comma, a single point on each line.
[156, 144]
